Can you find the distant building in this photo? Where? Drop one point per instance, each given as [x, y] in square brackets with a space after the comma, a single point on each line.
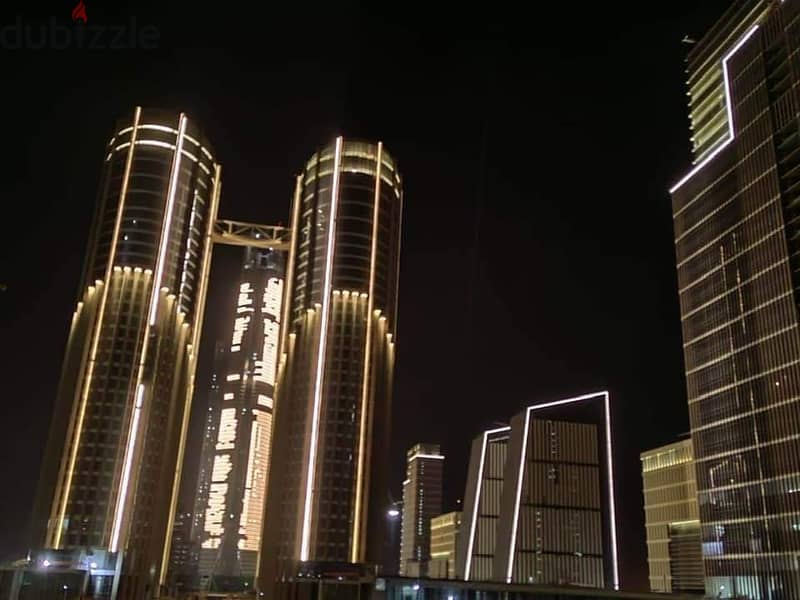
[236, 487]
[482, 505]
[444, 536]
[422, 500]
[210, 426]
[550, 517]
[183, 552]
[674, 549]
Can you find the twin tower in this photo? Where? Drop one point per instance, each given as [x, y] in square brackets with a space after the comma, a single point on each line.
[323, 373]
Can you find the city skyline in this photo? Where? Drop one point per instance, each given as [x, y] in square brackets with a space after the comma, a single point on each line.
[467, 294]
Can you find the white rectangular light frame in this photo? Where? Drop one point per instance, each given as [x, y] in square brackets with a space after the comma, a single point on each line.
[610, 480]
[728, 108]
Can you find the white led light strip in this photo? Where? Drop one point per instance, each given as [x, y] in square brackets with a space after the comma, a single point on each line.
[432, 456]
[323, 338]
[478, 487]
[133, 431]
[728, 108]
[609, 463]
[355, 557]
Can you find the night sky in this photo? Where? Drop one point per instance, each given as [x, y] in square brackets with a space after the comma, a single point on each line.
[536, 146]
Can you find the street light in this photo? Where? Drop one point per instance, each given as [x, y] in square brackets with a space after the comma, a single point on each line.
[393, 513]
[65, 591]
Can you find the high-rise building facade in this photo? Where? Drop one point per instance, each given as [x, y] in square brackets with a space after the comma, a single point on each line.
[736, 225]
[183, 552]
[671, 519]
[482, 505]
[209, 442]
[539, 505]
[444, 544]
[110, 476]
[328, 500]
[235, 489]
[422, 500]
[551, 530]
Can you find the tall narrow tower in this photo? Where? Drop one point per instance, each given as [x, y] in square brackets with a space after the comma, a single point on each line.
[237, 483]
[422, 500]
[110, 476]
[328, 500]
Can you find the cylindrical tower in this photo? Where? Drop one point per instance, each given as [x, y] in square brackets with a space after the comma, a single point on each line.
[327, 501]
[110, 477]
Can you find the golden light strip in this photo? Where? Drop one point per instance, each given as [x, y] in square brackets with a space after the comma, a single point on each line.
[289, 278]
[397, 267]
[133, 431]
[96, 339]
[197, 326]
[323, 338]
[162, 251]
[357, 516]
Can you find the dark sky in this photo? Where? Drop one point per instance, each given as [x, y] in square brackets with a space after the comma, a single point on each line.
[537, 143]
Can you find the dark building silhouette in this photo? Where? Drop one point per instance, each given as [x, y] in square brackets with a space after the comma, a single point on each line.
[422, 500]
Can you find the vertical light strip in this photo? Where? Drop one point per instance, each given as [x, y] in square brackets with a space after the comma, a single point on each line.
[289, 276]
[726, 78]
[357, 516]
[478, 488]
[64, 496]
[165, 231]
[126, 469]
[728, 109]
[609, 462]
[197, 327]
[397, 266]
[323, 338]
[520, 475]
[611, 501]
[133, 432]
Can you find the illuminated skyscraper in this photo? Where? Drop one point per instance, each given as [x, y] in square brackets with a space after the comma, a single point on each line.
[328, 500]
[109, 480]
[737, 241]
[539, 504]
[670, 514]
[237, 484]
[422, 500]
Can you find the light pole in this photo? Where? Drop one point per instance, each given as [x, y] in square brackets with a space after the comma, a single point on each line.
[66, 589]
